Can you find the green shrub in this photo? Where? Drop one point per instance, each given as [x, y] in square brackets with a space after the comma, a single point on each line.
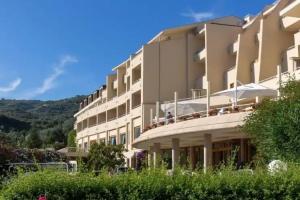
[155, 184]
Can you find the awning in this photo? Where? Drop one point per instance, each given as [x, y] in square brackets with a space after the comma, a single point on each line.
[130, 154]
[184, 107]
[247, 91]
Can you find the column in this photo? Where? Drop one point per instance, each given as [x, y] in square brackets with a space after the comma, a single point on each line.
[242, 151]
[88, 144]
[175, 106]
[175, 152]
[156, 154]
[150, 157]
[207, 151]
[208, 99]
[192, 157]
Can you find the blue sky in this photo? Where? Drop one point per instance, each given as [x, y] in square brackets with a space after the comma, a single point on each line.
[52, 49]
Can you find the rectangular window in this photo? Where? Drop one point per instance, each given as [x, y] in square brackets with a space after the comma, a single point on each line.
[297, 63]
[85, 146]
[102, 141]
[123, 138]
[137, 132]
[113, 140]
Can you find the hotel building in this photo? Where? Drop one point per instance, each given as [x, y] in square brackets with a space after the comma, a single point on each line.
[193, 63]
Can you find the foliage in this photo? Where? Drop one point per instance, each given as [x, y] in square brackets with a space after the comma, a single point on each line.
[105, 156]
[12, 155]
[275, 125]
[52, 120]
[33, 140]
[156, 184]
[72, 138]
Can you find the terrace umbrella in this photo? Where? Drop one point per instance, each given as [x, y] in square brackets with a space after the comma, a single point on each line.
[247, 91]
[184, 107]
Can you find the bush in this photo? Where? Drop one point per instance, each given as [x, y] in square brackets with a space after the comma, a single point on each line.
[155, 184]
[275, 125]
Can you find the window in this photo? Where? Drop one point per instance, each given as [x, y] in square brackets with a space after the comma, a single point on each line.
[85, 146]
[231, 85]
[123, 138]
[297, 63]
[137, 131]
[102, 141]
[113, 140]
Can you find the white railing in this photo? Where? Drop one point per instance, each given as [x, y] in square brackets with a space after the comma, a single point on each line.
[214, 111]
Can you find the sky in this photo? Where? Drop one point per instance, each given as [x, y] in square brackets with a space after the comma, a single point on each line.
[54, 49]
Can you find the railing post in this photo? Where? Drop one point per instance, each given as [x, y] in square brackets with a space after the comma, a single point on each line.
[208, 98]
[157, 112]
[279, 71]
[175, 106]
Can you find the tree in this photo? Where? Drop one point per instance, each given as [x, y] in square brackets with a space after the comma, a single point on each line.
[103, 156]
[275, 125]
[33, 140]
[71, 138]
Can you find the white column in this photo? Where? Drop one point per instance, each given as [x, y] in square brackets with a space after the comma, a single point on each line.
[208, 98]
[151, 117]
[279, 71]
[88, 144]
[175, 106]
[150, 157]
[207, 151]
[175, 152]
[157, 112]
[194, 94]
[156, 154]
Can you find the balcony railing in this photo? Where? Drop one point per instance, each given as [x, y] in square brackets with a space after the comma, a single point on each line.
[224, 110]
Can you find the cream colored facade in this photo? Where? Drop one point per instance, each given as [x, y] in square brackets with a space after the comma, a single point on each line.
[193, 61]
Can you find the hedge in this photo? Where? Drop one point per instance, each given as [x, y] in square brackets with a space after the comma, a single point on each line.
[155, 184]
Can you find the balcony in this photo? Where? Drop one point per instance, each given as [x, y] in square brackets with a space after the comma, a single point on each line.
[115, 84]
[136, 74]
[112, 114]
[122, 110]
[297, 38]
[102, 118]
[291, 24]
[230, 77]
[136, 99]
[197, 124]
[200, 55]
[201, 32]
[293, 55]
[233, 48]
[292, 10]
[255, 71]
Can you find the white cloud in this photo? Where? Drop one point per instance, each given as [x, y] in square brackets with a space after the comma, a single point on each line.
[198, 16]
[12, 86]
[50, 82]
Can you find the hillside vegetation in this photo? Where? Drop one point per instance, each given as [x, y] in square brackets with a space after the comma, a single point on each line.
[35, 123]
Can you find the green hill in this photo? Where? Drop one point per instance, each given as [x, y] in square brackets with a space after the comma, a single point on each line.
[52, 120]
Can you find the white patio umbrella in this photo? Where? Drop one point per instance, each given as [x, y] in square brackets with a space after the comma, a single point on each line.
[184, 107]
[247, 91]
